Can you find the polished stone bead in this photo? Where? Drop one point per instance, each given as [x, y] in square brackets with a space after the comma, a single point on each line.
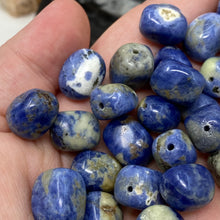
[157, 114]
[210, 69]
[83, 71]
[98, 169]
[75, 131]
[214, 165]
[163, 23]
[132, 64]
[112, 100]
[137, 187]
[128, 141]
[32, 113]
[203, 128]
[173, 148]
[102, 206]
[177, 82]
[187, 186]
[159, 212]
[202, 39]
[59, 194]
[218, 8]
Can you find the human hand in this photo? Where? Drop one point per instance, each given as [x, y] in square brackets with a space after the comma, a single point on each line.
[33, 59]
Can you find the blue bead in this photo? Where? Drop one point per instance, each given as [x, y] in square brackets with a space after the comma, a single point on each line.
[81, 73]
[137, 187]
[173, 148]
[75, 131]
[218, 8]
[213, 165]
[157, 114]
[101, 206]
[187, 186]
[98, 169]
[177, 82]
[202, 39]
[163, 23]
[59, 194]
[112, 100]
[32, 113]
[128, 141]
[132, 64]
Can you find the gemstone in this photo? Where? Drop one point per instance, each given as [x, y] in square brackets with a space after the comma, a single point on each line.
[214, 165]
[75, 131]
[31, 114]
[81, 73]
[59, 194]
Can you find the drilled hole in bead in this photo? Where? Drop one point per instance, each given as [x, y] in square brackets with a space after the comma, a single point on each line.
[206, 128]
[216, 89]
[101, 105]
[170, 146]
[130, 188]
[211, 79]
[135, 51]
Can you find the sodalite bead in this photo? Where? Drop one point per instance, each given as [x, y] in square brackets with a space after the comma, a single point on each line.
[187, 186]
[177, 82]
[128, 141]
[59, 194]
[218, 8]
[163, 23]
[102, 206]
[98, 169]
[75, 131]
[173, 148]
[137, 187]
[81, 73]
[157, 114]
[32, 113]
[132, 64]
[158, 212]
[214, 165]
[112, 100]
[202, 39]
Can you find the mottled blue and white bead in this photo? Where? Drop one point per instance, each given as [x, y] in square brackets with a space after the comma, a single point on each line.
[98, 169]
[75, 131]
[179, 83]
[173, 148]
[137, 187]
[218, 8]
[187, 186]
[59, 194]
[112, 100]
[163, 23]
[128, 141]
[102, 206]
[214, 166]
[202, 39]
[31, 114]
[157, 114]
[81, 73]
[132, 64]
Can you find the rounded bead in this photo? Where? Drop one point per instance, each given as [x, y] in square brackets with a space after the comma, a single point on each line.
[112, 100]
[32, 113]
[187, 186]
[128, 141]
[214, 165]
[81, 73]
[173, 148]
[163, 23]
[75, 131]
[157, 114]
[132, 64]
[59, 194]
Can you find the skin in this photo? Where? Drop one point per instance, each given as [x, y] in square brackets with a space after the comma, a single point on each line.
[33, 59]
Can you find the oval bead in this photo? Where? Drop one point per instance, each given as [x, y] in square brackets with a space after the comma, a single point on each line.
[187, 186]
[163, 23]
[112, 100]
[157, 114]
[173, 148]
[81, 73]
[98, 169]
[59, 194]
[102, 206]
[32, 113]
[213, 163]
[132, 64]
[75, 131]
[128, 141]
[177, 82]
[137, 187]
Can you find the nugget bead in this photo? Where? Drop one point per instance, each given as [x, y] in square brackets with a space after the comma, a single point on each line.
[213, 164]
